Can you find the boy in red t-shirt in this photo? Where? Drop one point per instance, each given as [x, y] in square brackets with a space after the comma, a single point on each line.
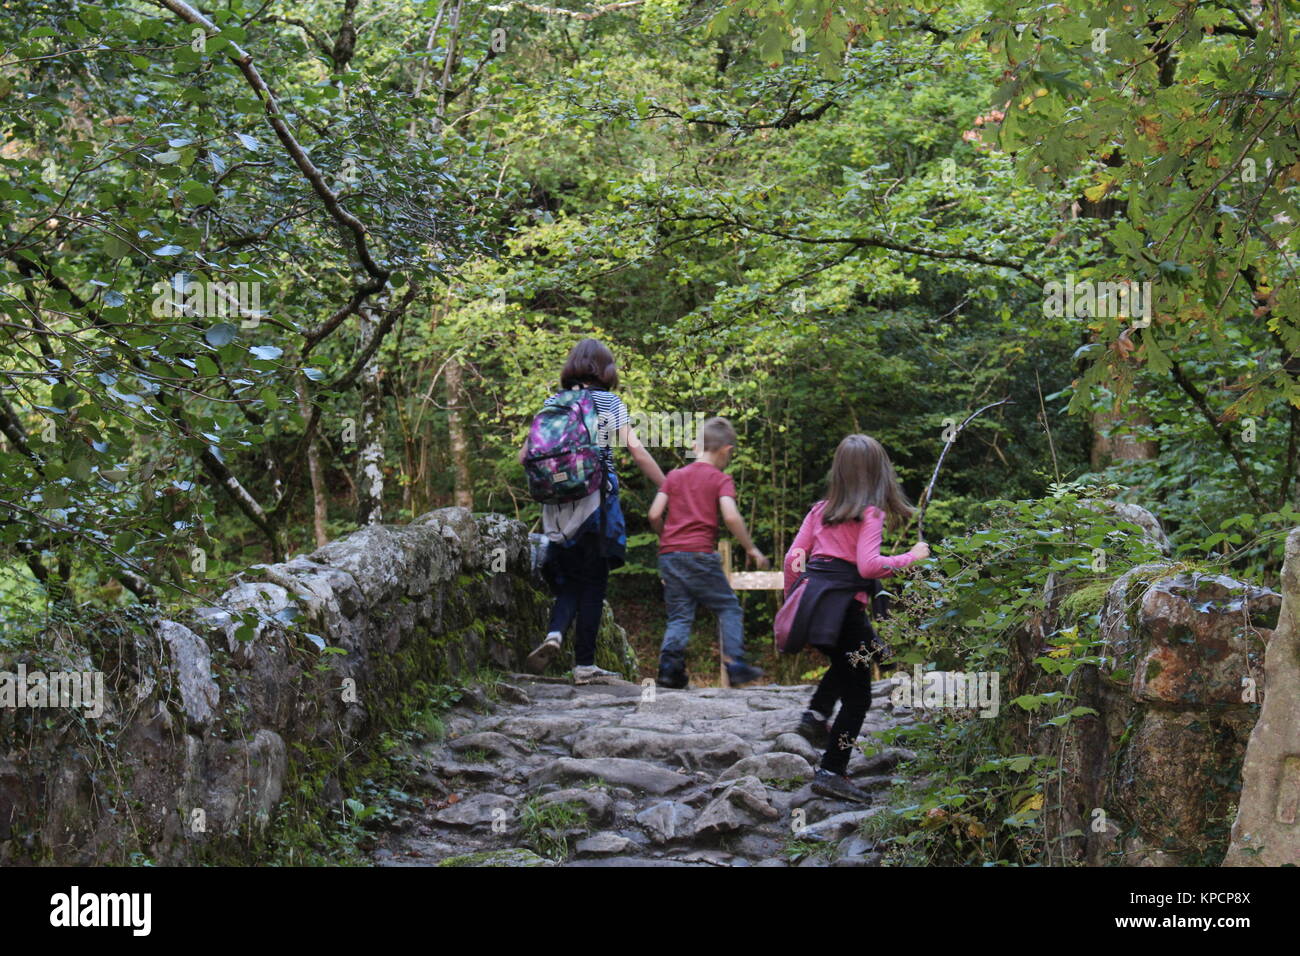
[690, 568]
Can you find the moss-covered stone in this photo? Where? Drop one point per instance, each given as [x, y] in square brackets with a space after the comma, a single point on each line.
[408, 608]
[514, 856]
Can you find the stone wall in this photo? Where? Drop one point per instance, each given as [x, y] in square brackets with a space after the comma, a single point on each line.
[215, 732]
[1152, 779]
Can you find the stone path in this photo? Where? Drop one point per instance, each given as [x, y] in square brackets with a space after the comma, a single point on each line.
[700, 777]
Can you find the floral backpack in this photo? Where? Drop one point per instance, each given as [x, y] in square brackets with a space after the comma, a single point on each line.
[562, 458]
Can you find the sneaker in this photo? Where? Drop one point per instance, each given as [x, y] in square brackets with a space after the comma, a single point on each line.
[743, 674]
[814, 729]
[672, 679]
[827, 784]
[545, 652]
[591, 674]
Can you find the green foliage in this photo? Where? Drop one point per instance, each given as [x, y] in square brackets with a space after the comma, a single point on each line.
[547, 827]
[986, 800]
[812, 218]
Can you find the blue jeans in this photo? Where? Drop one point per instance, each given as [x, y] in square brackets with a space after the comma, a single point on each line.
[696, 578]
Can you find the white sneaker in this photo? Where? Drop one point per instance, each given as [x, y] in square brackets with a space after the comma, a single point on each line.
[544, 653]
[592, 674]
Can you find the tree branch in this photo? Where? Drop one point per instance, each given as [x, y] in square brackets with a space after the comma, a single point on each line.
[378, 276]
[571, 14]
[1225, 438]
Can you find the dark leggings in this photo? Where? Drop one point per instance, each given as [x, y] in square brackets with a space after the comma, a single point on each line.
[579, 576]
[849, 682]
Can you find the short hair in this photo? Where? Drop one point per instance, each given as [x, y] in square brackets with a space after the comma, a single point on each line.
[716, 433]
[590, 363]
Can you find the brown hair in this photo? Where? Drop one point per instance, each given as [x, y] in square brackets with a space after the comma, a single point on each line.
[863, 475]
[716, 433]
[589, 363]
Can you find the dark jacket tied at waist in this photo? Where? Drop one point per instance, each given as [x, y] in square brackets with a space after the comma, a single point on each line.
[831, 584]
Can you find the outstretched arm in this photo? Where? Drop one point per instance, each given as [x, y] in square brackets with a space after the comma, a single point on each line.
[735, 523]
[873, 564]
[644, 460]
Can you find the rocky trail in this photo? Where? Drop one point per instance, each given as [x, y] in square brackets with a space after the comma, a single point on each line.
[544, 773]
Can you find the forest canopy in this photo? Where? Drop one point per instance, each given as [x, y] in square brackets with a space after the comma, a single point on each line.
[272, 270]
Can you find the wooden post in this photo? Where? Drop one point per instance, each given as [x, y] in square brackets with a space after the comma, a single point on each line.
[724, 680]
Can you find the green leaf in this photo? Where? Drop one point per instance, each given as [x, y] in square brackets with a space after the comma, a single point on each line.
[220, 335]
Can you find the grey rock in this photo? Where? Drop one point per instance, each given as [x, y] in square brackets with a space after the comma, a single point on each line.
[837, 826]
[666, 821]
[757, 846]
[482, 809]
[879, 763]
[795, 744]
[550, 729]
[458, 528]
[192, 662]
[489, 741]
[773, 765]
[741, 803]
[603, 844]
[689, 706]
[624, 861]
[512, 694]
[711, 857]
[689, 750]
[767, 724]
[442, 768]
[636, 774]
[234, 782]
[855, 846]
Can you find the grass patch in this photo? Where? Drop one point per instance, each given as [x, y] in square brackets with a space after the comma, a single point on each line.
[547, 826]
[796, 849]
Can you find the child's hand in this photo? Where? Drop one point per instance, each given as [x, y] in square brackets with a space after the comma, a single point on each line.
[920, 551]
[760, 558]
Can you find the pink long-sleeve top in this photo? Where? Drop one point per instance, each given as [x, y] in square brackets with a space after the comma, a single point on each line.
[856, 541]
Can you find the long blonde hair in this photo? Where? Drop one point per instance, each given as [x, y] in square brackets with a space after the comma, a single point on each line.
[863, 475]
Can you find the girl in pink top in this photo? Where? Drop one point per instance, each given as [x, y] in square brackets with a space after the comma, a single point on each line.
[862, 498]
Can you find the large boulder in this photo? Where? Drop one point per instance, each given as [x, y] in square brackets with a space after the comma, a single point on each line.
[1267, 829]
[1146, 780]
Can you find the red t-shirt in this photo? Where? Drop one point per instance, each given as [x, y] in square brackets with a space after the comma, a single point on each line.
[692, 520]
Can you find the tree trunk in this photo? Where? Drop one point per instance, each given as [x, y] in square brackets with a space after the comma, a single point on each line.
[464, 494]
[370, 460]
[1107, 448]
[320, 505]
